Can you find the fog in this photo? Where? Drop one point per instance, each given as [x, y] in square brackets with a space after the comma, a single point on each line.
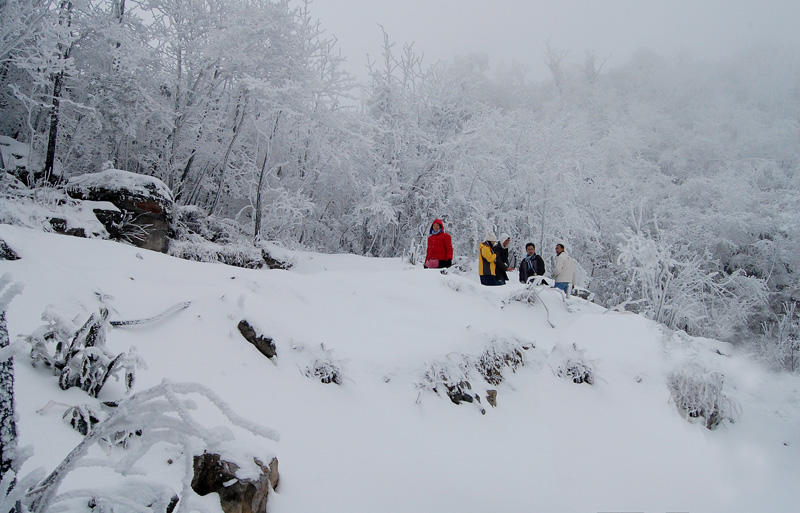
[516, 31]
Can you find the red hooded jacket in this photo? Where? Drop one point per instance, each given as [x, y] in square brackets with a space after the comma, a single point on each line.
[440, 246]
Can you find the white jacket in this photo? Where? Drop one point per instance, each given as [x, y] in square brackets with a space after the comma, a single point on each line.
[565, 269]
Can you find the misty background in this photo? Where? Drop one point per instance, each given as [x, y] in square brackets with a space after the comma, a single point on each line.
[515, 32]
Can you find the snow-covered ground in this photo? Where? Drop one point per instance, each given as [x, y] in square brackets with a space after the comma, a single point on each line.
[382, 441]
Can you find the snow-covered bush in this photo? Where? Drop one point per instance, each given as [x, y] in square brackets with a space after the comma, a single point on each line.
[456, 375]
[779, 344]
[527, 296]
[498, 357]
[416, 253]
[450, 377]
[681, 288]
[572, 364]
[697, 394]
[162, 415]
[49, 209]
[79, 356]
[203, 238]
[325, 368]
[199, 250]
[192, 220]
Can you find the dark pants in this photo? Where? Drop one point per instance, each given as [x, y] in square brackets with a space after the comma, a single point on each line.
[490, 281]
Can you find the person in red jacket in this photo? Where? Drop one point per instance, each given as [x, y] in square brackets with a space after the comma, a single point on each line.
[440, 247]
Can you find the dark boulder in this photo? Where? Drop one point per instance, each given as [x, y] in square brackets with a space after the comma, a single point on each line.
[212, 474]
[6, 253]
[145, 205]
[264, 344]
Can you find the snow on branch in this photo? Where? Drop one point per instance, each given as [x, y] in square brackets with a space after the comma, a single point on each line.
[164, 415]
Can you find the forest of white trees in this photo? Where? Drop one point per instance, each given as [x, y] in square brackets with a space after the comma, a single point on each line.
[673, 181]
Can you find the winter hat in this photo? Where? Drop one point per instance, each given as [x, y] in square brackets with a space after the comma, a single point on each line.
[504, 236]
[491, 237]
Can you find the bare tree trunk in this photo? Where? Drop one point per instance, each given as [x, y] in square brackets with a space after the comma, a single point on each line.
[262, 177]
[554, 59]
[8, 429]
[50, 158]
[58, 81]
[241, 111]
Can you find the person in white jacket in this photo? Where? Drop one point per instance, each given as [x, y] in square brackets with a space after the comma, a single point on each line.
[564, 272]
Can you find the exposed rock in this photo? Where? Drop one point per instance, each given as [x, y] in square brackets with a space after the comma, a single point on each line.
[145, 206]
[583, 293]
[60, 226]
[457, 393]
[491, 397]
[264, 344]
[215, 475]
[6, 253]
[273, 263]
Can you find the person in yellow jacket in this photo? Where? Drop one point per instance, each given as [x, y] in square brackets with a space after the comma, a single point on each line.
[487, 259]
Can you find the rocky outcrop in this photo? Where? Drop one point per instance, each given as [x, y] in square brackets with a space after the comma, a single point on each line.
[212, 474]
[262, 343]
[145, 206]
[6, 253]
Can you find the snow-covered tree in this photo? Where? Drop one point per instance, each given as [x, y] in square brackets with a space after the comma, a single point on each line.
[8, 429]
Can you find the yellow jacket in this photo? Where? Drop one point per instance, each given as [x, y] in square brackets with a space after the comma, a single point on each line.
[486, 260]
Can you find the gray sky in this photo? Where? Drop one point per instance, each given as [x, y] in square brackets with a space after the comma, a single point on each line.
[516, 30]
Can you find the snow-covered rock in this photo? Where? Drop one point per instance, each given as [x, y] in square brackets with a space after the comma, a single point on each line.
[145, 205]
[15, 159]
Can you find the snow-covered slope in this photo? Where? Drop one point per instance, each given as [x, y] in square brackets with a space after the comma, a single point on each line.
[383, 441]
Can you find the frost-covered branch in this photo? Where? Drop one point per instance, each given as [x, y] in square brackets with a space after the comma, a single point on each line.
[163, 414]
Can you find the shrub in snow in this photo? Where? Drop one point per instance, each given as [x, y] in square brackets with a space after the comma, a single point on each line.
[239, 255]
[323, 366]
[526, 296]
[779, 344]
[325, 370]
[49, 209]
[163, 414]
[697, 394]
[456, 375]
[16, 159]
[416, 254]
[498, 357]
[461, 265]
[450, 377]
[79, 356]
[192, 220]
[679, 287]
[573, 365]
[82, 418]
[204, 238]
